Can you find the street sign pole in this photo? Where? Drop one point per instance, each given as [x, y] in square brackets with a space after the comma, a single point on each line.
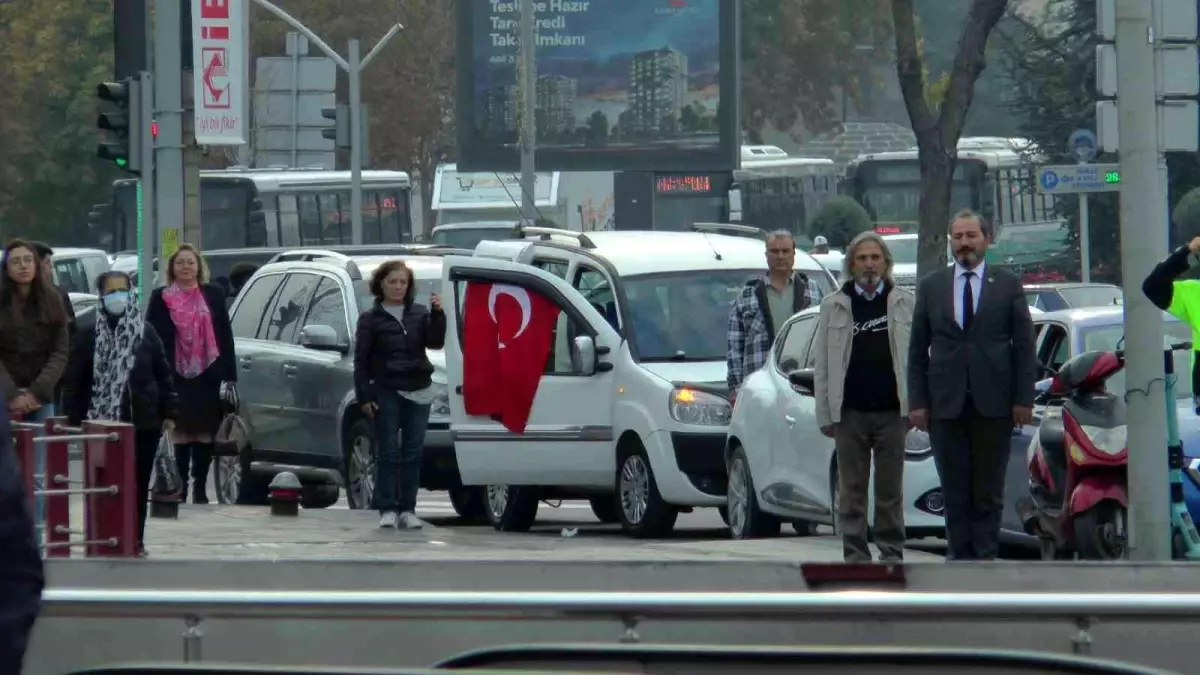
[353, 68]
[168, 202]
[1085, 146]
[527, 86]
[142, 114]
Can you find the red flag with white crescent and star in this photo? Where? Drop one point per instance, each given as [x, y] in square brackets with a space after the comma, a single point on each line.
[508, 332]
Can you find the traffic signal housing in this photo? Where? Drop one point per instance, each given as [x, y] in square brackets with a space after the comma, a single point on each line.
[339, 133]
[120, 103]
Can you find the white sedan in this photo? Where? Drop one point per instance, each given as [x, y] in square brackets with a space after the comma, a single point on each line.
[782, 468]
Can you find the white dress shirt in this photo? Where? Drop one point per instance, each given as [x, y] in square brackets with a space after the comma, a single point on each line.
[976, 288]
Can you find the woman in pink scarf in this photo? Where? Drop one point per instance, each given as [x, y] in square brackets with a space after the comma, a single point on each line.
[190, 316]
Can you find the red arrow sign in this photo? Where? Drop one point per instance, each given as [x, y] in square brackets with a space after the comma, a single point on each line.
[215, 68]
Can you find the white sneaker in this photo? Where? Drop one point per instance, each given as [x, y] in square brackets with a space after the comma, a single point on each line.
[388, 520]
[410, 521]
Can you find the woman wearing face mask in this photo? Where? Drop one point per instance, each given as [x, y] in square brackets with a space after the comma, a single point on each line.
[191, 317]
[394, 387]
[33, 334]
[119, 372]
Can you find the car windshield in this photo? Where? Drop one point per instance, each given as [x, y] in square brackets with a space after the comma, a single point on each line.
[681, 316]
[1108, 338]
[425, 286]
[1092, 296]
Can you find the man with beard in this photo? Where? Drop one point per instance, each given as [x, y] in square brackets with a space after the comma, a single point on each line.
[971, 374]
[860, 351]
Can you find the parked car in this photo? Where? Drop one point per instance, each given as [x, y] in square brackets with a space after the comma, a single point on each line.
[293, 328]
[632, 411]
[1072, 295]
[76, 269]
[783, 469]
[468, 235]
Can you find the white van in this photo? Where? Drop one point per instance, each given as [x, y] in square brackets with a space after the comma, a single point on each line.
[633, 407]
[76, 269]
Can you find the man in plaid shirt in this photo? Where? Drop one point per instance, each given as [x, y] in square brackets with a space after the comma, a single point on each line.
[763, 307]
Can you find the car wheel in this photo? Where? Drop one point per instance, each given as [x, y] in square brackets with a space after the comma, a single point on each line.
[319, 496]
[804, 528]
[360, 464]
[470, 503]
[643, 512]
[605, 509]
[746, 519]
[236, 484]
[511, 508]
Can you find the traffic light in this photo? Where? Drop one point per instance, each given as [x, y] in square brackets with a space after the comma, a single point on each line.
[122, 147]
[100, 217]
[339, 133]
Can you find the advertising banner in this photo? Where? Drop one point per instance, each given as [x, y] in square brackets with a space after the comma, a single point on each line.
[219, 58]
[649, 85]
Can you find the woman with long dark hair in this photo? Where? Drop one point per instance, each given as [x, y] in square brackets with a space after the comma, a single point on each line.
[394, 386]
[191, 317]
[33, 334]
[119, 372]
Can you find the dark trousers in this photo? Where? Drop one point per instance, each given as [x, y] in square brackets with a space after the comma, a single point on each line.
[400, 428]
[859, 436]
[19, 606]
[971, 453]
[145, 447]
[199, 457]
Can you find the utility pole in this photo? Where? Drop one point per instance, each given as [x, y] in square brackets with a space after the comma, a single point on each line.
[1144, 227]
[353, 67]
[168, 110]
[527, 88]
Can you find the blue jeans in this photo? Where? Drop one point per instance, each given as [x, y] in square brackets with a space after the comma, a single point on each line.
[400, 428]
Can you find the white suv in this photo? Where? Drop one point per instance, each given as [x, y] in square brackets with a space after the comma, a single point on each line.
[633, 407]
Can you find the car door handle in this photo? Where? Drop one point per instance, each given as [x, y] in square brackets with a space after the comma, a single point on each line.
[790, 420]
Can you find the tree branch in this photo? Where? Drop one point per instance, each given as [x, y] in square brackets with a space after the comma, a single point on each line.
[909, 68]
[968, 64]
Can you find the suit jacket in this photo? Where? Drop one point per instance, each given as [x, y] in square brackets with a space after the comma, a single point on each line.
[21, 576]
[159, 316]
[995, 360]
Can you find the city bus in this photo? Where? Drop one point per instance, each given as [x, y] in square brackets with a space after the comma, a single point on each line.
[993, 177]
[242, 208]
[772, 190]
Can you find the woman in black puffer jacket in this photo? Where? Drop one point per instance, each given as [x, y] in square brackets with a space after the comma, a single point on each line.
[118, 371]
[393, 385]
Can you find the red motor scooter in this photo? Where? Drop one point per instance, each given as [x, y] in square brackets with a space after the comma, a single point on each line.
[1078, 498]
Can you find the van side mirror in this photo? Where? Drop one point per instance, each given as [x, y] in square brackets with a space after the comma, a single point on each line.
[583, 355]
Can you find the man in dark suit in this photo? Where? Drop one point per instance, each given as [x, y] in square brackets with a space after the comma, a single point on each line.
[21, 577]
[972, 369]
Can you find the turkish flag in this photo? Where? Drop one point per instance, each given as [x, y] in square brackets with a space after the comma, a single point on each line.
[508, 333]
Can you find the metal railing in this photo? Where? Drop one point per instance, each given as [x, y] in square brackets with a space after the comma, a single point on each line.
[1082, 609]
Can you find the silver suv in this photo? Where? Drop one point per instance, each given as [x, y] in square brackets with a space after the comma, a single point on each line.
[293, 326]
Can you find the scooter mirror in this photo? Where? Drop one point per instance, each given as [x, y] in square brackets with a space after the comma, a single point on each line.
[1043, 386]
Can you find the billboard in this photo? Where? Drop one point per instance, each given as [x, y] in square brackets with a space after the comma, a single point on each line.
[650, 85]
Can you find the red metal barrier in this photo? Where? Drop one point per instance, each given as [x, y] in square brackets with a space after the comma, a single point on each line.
[27, 456]
[58, 477]
[110, 464]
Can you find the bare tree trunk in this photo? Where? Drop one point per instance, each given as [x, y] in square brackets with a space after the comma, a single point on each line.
[938, 131]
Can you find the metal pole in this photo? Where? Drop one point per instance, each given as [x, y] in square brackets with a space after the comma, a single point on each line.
[1143, 243]
[168, 109]
[527, 85]
[356, 135]
[294, 46]
[1085, 240]
[245, 151]
[306, 31]
[141, 124]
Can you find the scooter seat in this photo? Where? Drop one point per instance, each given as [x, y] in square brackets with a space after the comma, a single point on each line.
[1052, 437]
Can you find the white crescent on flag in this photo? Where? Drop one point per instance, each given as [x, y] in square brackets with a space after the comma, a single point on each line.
[521, 296]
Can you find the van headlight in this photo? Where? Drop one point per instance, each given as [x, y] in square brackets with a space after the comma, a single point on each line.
[688, 406]
[440, 408]
[917, 444]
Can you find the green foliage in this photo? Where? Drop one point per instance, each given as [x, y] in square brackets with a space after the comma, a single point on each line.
[840, 220]
[55, 53]
[1051, 76]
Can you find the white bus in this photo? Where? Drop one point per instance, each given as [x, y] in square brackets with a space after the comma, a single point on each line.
[242, 208]
[993, 176]
[772, 190]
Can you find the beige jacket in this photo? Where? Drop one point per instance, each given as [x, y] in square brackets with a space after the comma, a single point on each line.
[832, 349]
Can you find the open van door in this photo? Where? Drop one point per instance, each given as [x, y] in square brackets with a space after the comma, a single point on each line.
[569, 438]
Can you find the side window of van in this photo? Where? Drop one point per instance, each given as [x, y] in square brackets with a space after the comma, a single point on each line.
[555, 267]
[595, 287]
[558, 362]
